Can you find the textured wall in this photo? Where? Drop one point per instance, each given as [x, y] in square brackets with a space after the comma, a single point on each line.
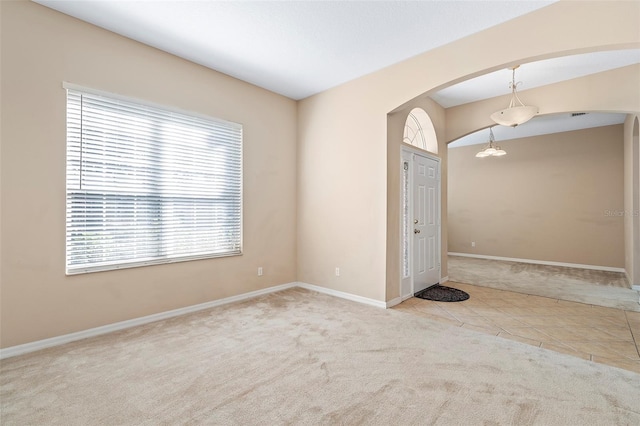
[557, 197]
[331, 190]
[344, 185]
[42, 48]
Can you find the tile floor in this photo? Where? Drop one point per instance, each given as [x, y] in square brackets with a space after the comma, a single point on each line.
[604, 335]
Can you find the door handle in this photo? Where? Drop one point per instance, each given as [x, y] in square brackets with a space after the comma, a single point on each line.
[416, 231]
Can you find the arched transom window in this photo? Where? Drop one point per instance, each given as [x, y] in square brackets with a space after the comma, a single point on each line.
[419, 131]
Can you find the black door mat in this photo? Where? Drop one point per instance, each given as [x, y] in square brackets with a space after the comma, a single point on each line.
[439, 293]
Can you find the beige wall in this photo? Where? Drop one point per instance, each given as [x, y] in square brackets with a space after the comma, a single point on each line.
[632, 198]
[556, 197]
[41, 49]
[341, 192]
[331, 190]
[344, 181]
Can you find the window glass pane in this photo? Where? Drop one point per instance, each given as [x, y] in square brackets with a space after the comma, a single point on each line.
[147, 185]
[406, 221]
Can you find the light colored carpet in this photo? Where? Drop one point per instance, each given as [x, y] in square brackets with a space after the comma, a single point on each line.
[600, 288]
[303, 358]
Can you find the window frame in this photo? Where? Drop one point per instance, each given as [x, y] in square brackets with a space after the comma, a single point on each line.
[124, 264]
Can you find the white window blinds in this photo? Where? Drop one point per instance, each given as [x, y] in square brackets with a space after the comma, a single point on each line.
[147, 185]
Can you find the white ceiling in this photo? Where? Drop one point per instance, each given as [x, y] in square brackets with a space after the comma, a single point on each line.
[295, 48]
[299, 48]
[535, 74]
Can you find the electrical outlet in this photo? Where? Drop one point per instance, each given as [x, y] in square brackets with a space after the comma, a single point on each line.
[337, 272]
[473, 243]
[260, 271]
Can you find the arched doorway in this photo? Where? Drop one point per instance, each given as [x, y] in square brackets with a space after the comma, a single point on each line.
[420, 205]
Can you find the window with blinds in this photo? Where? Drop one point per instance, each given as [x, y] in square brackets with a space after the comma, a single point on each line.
[148, 185]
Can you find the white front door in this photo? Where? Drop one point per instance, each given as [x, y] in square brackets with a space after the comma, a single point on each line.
[426, 222]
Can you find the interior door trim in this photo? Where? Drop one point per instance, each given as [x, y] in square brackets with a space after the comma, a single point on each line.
[406, 150]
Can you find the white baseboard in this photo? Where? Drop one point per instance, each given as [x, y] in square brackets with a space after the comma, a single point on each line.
[444, 280]
[343, 295]
[540, 262]
[92, 332]
[393, 302]
[635, 287]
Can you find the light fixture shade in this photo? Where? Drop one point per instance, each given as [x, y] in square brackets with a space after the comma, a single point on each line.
[514, 116]
[490, 151]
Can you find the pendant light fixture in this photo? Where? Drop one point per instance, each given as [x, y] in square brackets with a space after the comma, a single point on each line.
[517, 112]
[491, 150]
